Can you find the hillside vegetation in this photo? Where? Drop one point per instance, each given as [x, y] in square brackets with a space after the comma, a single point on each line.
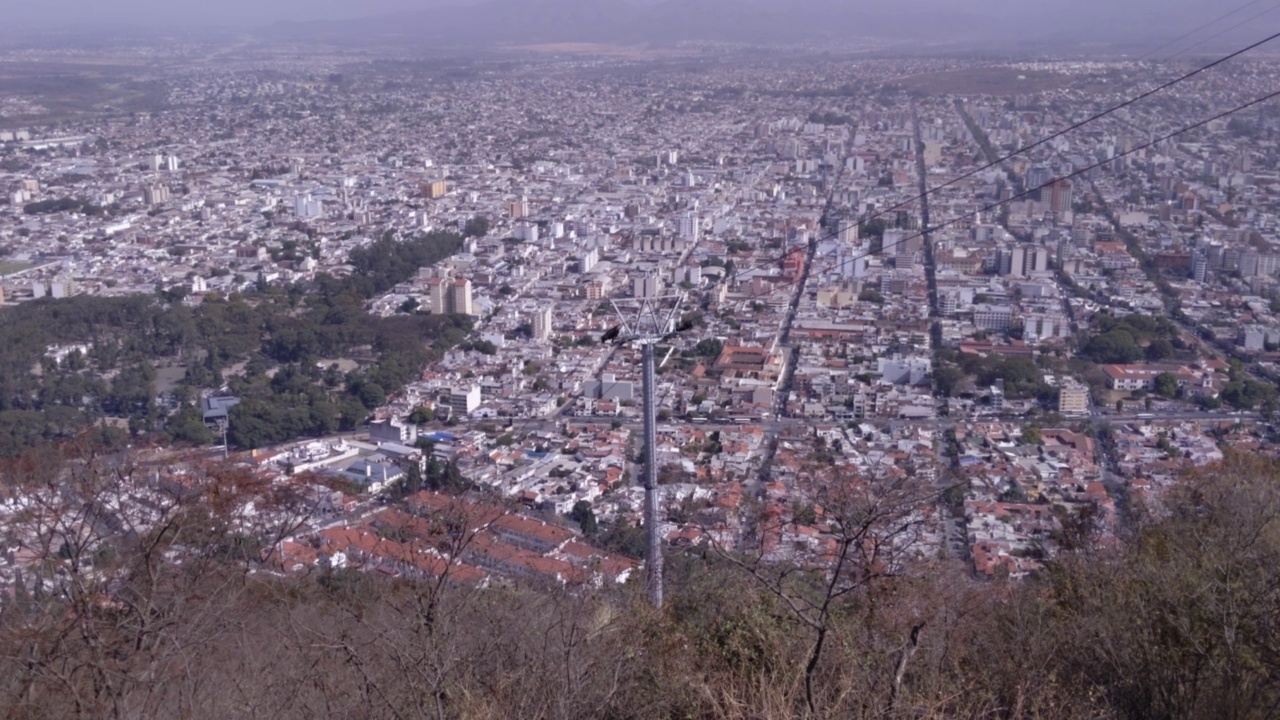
[1177, 618]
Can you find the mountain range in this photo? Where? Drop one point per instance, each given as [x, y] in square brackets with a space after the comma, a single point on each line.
[672, 21]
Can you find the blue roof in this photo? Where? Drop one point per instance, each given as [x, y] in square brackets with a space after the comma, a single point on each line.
[442, 437]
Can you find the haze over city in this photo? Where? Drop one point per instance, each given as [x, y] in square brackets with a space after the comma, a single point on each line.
[640, 359]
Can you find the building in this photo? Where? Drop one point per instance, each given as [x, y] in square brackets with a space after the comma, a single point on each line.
[459, 301]
[904, 371]
[62, 288]
[155, 194]
[1073, 398]
[464, 400]
[435, 189]
[305, 206]
[526, 232]
[646, 286]
[542, 324]
[438, 291]
[218, 407]
[609, 387]
[992, 317]
[689, 228]
[1060, 197]
[1143, 376]
[519, 209]
[393, 431]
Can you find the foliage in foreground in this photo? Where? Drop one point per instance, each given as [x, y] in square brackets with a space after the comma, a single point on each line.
[1175, 619]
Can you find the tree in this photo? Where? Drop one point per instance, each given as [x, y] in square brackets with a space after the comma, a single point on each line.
[948, 380]
[1031, 435]
[708, 348]
[477, 226]
[873, 524]
[585, 516]
[422, 414]
[1114, 346]
[1165, 385]
[1159, 349]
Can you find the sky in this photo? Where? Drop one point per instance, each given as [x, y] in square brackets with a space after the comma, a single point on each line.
[1079, 18]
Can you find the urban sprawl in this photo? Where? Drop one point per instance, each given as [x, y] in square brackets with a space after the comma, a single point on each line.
[874, 284]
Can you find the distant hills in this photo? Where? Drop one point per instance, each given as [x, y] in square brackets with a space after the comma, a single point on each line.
[660, 23]
[995, 26]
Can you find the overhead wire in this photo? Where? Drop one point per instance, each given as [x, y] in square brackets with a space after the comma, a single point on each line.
[1026, 192]
[1195, 30]
[1222, 32]
[1074, 174]
[1075, 126]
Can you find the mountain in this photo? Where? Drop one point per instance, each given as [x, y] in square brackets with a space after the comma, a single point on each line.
[984, 24]
[619, 21]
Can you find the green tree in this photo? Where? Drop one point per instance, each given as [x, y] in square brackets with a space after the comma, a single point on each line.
[1166, 385]
[585, 516]
[477, 226]
[1031, 435]
[422, 414]
[708, 348]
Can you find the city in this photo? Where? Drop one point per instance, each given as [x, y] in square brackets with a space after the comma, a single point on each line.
[1015, 305]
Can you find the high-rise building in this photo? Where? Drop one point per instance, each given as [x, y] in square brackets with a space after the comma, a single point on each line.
[1060, 197]
[62, 288]
[1073, 398]
[155, 194]
[520, 208]
[1018, 261]
[1038, 260]
[646, 286]
[305, 206]
[689, 227]
[526, 232]
[439, 294]
[434, 189]
[1036, 177]
[459, 301]
[463, 400]
[171, 163]
[904, 256]
[542, 324]
[1200, 266]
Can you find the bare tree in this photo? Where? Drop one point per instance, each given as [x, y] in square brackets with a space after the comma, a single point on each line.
[870, 527]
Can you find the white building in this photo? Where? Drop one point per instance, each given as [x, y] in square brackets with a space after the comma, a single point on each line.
[542, 324]
[646, 286]
[689, 227]
[464, 400]
[992, 317]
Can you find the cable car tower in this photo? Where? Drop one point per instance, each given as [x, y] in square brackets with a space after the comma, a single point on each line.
[647, 322]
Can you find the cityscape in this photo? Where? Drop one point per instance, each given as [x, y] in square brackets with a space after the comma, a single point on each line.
[998, 309]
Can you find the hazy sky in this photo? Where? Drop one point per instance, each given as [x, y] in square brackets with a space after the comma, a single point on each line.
[1077, 16]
